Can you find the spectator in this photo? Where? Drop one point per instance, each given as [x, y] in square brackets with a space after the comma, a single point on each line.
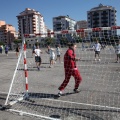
[17, 50]
[6, 49]
[0, 49]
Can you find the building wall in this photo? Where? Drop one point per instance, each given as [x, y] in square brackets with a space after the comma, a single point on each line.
[7, 33]
[30, 22]
[2, 23]
[101, 16]
[81, 24]
[63, 23]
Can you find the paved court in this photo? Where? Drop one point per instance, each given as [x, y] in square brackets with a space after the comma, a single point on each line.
[100, 87]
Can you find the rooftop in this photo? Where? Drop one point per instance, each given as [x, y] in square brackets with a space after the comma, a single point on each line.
[101, 7]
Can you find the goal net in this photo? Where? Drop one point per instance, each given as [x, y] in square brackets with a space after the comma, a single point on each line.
[34, 91]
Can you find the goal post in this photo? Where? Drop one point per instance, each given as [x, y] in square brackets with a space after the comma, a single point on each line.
[12, 98]
[99, 89]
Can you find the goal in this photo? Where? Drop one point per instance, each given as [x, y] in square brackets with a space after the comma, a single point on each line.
[34, 92]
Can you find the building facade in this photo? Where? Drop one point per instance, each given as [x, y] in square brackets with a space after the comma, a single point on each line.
[61, 23]
[81, 24]
[31, 22]
[7, 33]
[101, 16]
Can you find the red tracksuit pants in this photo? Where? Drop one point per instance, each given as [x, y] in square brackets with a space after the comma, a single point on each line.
[68, 74]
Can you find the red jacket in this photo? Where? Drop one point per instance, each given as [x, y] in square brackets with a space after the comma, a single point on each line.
[69, 59]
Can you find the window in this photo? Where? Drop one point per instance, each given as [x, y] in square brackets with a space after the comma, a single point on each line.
[58, 18]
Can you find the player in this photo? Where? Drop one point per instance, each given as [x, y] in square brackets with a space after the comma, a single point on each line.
[70, 69]
[97, 48]
[58, 50]
[52, 56]
[33, 49]
[117, 51]
[38, 60]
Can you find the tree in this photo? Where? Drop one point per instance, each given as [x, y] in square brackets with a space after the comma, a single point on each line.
[49, 41]
[1, 43]
[64, 41]
[79, 39]
[17, 41]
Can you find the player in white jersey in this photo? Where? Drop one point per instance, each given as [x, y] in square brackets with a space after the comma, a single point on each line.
[117, 51]
[58, 50]
[38, 60]
[97, 49]
[52, 56]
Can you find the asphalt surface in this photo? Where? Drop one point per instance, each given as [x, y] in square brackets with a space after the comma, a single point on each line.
[100, 87]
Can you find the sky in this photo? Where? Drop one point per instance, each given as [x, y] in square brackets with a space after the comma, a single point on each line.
[76, 9]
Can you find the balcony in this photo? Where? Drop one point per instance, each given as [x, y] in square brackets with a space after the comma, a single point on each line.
[96, 14]
[104, 17]
[33, 20]
[95, 26]
[104, 25]
[33, 23]
[104, 21]
[96, 22]
[105, 13]
[58, 24]
[33, 31]
[34, 27]
[95, 18]
[19, 26]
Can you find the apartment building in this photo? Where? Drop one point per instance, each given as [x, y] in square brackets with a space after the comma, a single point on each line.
[2, 23]
[31, 21]
[102, 16]
[63, 23]
[82, 24]
[7, 33]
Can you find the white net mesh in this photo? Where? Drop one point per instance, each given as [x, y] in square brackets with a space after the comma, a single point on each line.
[99, 94]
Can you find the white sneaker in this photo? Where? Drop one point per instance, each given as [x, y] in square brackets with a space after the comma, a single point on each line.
[60, 93]
[99, 60]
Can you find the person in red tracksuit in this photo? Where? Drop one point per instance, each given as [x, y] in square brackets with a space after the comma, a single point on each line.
[70, 69]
